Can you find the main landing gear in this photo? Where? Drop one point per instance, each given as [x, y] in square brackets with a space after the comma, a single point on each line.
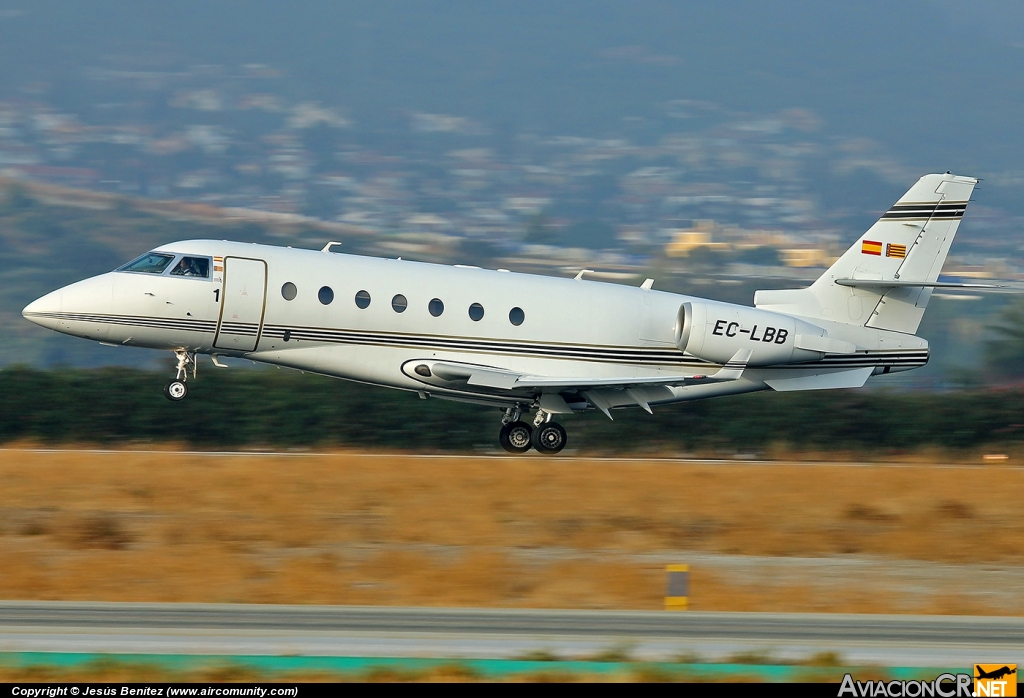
[516, 436]
[176, 389]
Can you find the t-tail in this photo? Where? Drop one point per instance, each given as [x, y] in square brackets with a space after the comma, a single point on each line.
[886, 279]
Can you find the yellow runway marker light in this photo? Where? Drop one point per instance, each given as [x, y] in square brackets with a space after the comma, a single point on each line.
[677, 594]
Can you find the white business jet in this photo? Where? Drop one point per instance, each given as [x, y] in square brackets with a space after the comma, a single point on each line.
[521, 342]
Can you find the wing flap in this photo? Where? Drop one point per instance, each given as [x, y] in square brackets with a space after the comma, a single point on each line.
[821, 380]
[589, 383]
[825, 345]
[493, 379]
[502, 379]
[440, 373]
[484, 377]
[731, 371]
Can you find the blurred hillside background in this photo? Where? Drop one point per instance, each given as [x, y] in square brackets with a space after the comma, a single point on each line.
[716, 147]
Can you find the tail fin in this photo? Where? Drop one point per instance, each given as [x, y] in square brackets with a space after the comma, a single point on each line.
[906, 246]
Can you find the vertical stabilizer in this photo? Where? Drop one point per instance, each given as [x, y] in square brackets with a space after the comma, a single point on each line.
[908, 244]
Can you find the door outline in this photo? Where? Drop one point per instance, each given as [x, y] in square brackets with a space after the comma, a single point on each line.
[224, 300]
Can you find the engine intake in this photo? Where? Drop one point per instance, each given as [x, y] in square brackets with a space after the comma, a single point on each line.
[716, 331]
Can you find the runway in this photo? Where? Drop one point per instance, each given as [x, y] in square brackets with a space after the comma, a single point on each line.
[499, 456]
[31, 626]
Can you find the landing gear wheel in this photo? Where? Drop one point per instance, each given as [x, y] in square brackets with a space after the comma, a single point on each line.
[549, 438]
[175, 390]
[515, 437]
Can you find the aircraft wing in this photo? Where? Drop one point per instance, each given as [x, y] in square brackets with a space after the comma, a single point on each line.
[504, 380]
[731, 371]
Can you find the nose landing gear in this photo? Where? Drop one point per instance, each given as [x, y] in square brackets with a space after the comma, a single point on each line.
[176, 389]
[516, 436]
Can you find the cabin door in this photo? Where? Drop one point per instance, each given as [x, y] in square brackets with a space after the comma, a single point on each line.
[244, 299]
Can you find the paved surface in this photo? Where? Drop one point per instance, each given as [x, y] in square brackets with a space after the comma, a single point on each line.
[375, 631]
[568, 455]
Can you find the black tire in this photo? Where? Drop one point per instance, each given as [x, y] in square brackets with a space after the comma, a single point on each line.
[515, 437]
[175, 390]
[549, 438]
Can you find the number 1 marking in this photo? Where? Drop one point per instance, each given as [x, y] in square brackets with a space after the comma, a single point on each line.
[216, 295]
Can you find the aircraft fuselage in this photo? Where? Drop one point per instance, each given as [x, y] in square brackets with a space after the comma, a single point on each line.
[566, 327]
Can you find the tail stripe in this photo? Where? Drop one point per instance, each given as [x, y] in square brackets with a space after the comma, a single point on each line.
[926, 210]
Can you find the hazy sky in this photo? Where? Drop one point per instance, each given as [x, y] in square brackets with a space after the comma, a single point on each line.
[936, 81]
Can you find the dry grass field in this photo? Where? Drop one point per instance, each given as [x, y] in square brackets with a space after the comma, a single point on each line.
[105, 671]
[353, 528]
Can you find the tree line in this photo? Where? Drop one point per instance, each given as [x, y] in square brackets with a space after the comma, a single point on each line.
[241, 408]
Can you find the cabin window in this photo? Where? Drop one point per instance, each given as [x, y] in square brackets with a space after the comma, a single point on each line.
[288, 291]
[399, 303]
[436, 307]
[516, 316]
[195, 267]
[476, 312]
[326, 295]
[149, 263]
[363, 300]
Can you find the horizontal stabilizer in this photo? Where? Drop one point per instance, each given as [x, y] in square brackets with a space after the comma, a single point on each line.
[893, 283]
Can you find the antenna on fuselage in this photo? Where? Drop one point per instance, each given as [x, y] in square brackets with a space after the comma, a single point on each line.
[328, 246]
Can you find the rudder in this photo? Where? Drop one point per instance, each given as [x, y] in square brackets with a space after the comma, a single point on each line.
[908, 244]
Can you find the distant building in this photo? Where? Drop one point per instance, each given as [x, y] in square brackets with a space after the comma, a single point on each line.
[704, 233]
[805, 257]
[699, 236]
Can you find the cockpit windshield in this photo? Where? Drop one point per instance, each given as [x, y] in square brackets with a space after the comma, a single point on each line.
[198, 267]
[149, 263]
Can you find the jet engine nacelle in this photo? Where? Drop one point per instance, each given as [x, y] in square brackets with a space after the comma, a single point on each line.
[716, 331]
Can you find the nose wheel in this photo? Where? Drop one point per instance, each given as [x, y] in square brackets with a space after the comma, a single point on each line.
[175, 389]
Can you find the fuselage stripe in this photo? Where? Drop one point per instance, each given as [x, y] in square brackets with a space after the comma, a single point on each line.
[633, 355]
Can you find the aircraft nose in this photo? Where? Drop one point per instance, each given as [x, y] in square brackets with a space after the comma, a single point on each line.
[44, 311]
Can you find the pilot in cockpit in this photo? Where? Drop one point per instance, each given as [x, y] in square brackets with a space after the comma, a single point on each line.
[191, 266]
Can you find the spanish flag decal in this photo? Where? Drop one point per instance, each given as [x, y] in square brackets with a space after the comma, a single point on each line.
[893, 250]
[871, 247]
